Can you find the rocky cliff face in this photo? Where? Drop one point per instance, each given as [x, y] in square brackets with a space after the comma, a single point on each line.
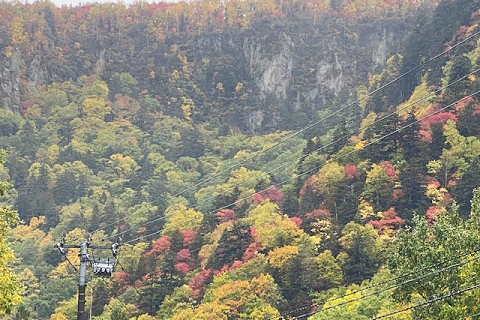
[271, 71]
[300, 70]
[36, 73]
[10, 81]
[299, 75]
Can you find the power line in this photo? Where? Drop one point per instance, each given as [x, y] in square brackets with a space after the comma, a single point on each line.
[317, 167]
[408, 281]
[118, 298]
[61, 249]
[388, 288]
[387, 281]
[372, 142]
[313, 124]
[429, 302]
[129, 278]
[320, 148]
[101, 268]
[69, 262]
[331, 115]
[433, 273]
[358, 131]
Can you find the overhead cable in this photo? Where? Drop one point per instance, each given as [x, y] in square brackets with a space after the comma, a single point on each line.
[377, 284]
[433, 300]
[375, 293]
[313, 124]
[316, 150]
[329, 116]
[317, 167]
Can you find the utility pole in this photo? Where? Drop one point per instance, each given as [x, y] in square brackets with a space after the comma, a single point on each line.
[101, 268]
[82, 280]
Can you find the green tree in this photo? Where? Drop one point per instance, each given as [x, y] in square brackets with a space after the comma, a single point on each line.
[461, 66]
[67, 308]
[426, 244]
[364, 251]
[326, 184]
[339, 137]
[22, 313]
[463, 190]
[180, 299]
[379, 186]
[384, 139]
[122, 83]
[29, 140]
[118, 314]
[72, 182]
[346, 303]
[412, 173]
[456, 157]
[468, 120]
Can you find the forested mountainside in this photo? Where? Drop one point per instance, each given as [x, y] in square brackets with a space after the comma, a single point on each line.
[259, 159]
[253, 66]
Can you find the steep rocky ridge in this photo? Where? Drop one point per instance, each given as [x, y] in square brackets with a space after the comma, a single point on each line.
[291, 67]
[10, 81]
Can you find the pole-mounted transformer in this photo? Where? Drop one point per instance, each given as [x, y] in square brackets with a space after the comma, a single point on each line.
[102, 267]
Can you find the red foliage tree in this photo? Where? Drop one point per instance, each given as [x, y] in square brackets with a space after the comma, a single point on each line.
[389, 169]
[161, 246]
[476, 109]
[463, 103]
[441, 117]
[431, 213]
[184, 255]
[389, 221]
[351, 171]
[397, 194]
[198, 283]
[253, 232]
[251, 252]
[297, 221]
[182, 267]
[274, 194]
[225, 215]
[320, 214]
[188, 236]
[307, 185]
[431, 180]
[236, 265]
[426, 136]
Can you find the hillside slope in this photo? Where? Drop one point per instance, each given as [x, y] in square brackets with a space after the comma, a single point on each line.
[259, 159]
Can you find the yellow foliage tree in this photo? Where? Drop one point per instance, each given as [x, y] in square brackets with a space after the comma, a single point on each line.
[181, 218]
[9, 286]
[241, 299]
[242, 180]
[327, 180]
[122, 165]
[58, 316]
[66, 310]
[209, 249]
[19, 36]
[278, 257]
[30, 231]
[96, 107]
[271, 228]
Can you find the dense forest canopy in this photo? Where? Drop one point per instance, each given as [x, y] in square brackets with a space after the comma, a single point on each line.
[259, 159]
